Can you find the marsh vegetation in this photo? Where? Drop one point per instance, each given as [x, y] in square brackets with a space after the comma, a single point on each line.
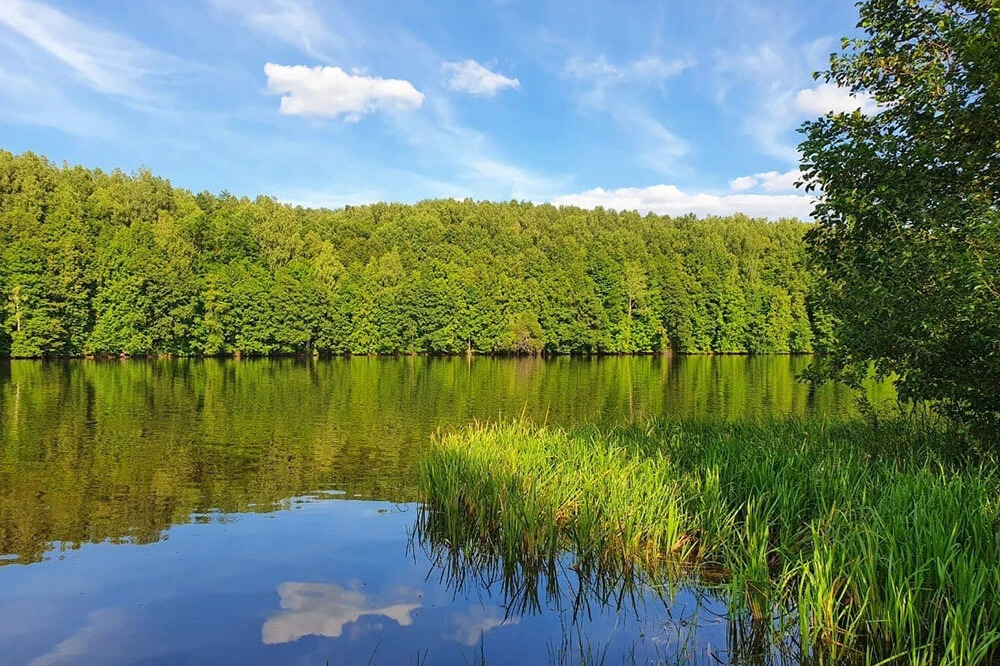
[865, 542]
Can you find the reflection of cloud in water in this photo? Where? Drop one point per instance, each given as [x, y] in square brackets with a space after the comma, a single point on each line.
[469, 627]
[101, 625]
[322, 609]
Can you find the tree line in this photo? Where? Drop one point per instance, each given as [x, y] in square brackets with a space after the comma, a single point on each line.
[103, 263]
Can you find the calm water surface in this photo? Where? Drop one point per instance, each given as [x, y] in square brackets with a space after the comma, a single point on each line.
[244, 512]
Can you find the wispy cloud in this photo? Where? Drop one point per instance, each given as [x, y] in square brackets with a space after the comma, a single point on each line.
[439, 157]
[477, 166]
[757, 75]
[30, 100]
[603, 75]
[756, 87]
[471, 77]
[103, 60]
[294, 22]
[332, 92]
[618, 91]
[671, 200]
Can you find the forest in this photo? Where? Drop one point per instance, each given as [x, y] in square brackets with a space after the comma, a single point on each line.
[98, 263]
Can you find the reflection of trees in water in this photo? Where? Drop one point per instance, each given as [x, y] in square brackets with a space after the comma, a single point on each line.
[95, 451]
[121, 450]
[681, 613]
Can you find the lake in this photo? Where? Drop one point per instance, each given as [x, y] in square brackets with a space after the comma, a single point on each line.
[264, 511]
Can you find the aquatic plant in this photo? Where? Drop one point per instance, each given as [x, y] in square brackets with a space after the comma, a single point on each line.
[862, 542]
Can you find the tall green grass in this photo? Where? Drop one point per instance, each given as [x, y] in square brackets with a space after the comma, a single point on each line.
[873, 543]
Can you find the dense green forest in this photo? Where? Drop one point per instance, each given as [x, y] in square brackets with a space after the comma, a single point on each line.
[110, 263]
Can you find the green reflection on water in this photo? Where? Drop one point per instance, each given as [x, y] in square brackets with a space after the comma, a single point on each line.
[121, 450]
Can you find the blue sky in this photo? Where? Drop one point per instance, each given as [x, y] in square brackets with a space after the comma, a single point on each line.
[664, 106]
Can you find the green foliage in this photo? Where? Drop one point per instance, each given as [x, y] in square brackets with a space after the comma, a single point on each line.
[97, 263]
[861, 545]
[908, 235]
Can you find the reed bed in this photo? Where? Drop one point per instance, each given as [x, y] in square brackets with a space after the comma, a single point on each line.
[868, 543]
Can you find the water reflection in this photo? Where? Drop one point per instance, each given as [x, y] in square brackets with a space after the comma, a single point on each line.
[675, 613]
[159, 505]
[341, 582]
[668, 616]
[627, 617]
[322, 609]
[118, 451]
[99, 626]
[471, 627]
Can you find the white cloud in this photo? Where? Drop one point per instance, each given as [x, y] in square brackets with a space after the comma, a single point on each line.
[471, 77]
[106, 61]
[742, 183]
[332, 92]
[831, 98]
[770, 181]
[671, 200]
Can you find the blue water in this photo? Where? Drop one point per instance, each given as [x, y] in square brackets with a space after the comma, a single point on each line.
[263, 512]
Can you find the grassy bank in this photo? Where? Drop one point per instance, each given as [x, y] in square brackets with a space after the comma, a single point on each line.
[877, 543]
